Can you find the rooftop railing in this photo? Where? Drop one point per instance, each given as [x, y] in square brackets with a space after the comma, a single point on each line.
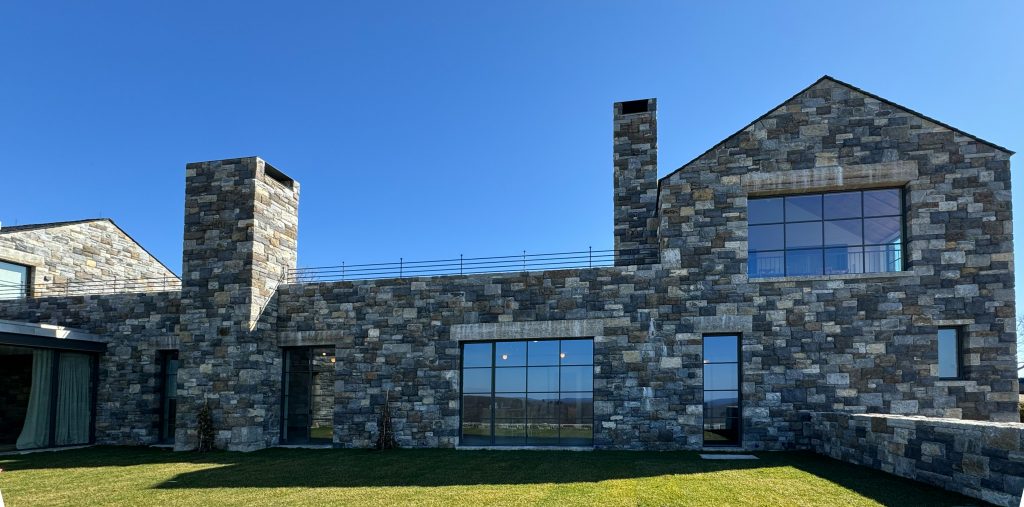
[523, 262]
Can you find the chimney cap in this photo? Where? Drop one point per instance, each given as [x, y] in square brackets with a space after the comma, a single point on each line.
[636, 106]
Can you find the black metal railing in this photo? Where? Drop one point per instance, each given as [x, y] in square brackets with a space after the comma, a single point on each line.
[90, 287]
[523, 262]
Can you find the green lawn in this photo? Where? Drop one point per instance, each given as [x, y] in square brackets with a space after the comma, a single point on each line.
[139, 476]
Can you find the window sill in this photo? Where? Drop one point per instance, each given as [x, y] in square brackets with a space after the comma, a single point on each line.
[855, 276]
[522, 448]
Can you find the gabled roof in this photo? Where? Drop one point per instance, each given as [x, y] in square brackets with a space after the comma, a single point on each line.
[12, 229]
[854, 88]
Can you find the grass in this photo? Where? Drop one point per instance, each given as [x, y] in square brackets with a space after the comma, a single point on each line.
[109, 476]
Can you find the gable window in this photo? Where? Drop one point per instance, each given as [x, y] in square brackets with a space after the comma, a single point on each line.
[950, 353]
[13, 280]
[536, 392]
[825, 234]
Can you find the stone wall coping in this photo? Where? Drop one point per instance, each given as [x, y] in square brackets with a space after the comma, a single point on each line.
[852, 276]
[47, 331]
[939, 421]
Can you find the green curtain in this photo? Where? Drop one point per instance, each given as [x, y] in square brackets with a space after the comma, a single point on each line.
[74, 400]
[36, 431]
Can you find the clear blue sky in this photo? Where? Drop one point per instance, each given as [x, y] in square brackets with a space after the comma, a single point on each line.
[425, 130]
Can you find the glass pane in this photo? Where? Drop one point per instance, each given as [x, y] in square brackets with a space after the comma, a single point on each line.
[721, 431]
[13, 280]
[476, 380]
[803, 234]
[880, 231]
[721, 376]
[881, 202]
[477, 433]
[949, 353]
[577, 352]
[803, 207]
[476, 420]
[765, 237]
[721, 404]
[844, 260]
[803, 262]
[764, 264]
[542, 432]
[510, 354]
[720, 349]
[843, 232]
[508, 380]
[842, 205]
[576, 407]
[542, 379]
[882, 259]
[577, 378]
[577, 434]
[510, 432]
[542, 406]
[476, 354]
[510, 406]
[542, 353]
[764, 211]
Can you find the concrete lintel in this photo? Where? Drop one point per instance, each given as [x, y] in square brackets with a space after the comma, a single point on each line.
[536, 329]
[836, 177]
[47, 331]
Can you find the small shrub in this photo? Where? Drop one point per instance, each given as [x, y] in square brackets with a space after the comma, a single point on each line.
[385, 432]
[204, 428]
[1020, 407]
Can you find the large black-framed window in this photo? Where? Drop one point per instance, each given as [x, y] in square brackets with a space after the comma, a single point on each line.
[950, 345]
[168, 394]
[722, 401]
[528, 392]
[831, 233]
[14, 280]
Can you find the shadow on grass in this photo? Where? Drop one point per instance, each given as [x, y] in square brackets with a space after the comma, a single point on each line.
[299, 468]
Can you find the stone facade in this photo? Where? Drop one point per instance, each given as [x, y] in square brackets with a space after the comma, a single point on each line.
[850, 344]
[67, 256]
[981, 460]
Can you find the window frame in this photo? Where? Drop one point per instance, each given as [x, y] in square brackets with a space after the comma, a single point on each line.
[493, 393]
[823, 249]
[27, 288]
[959, 351]
[739, 388]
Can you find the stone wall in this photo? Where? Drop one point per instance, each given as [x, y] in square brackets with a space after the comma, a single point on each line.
[78, 251]
[635, 182]
[857, 343]
[981, 460]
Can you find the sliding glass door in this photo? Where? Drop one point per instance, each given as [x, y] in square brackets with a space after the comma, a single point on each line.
[46, 397]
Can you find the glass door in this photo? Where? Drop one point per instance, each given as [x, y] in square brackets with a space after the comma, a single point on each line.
[722, 409]
[169, 395]
[308, 411]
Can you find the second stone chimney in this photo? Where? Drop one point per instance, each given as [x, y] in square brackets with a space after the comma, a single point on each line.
[636, 182]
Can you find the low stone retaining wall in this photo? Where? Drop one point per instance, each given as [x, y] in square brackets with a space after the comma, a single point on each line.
[981, 459]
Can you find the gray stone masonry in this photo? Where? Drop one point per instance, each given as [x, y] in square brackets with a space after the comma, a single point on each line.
[981, 460]
[812, 346]
[636, 182]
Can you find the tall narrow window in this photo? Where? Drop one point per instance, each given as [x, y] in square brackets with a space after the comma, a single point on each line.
[949, 353]
[169, 395]
[536, 392]
[14, 281]
[830, 234]
[722, 414]
[308, 401]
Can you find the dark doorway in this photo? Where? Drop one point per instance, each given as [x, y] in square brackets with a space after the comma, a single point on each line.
[308, 401]
[722, 414]
[168, 395]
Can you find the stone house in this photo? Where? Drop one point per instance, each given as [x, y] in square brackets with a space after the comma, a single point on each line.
[835, 268]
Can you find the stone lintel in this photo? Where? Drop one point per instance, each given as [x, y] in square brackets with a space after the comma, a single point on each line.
[48, 331]
[721, 323]
[537, 329]
[884, 174]
[311, 338]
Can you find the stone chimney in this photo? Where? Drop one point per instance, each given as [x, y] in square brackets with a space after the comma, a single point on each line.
[636, 182]
[241, 226]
